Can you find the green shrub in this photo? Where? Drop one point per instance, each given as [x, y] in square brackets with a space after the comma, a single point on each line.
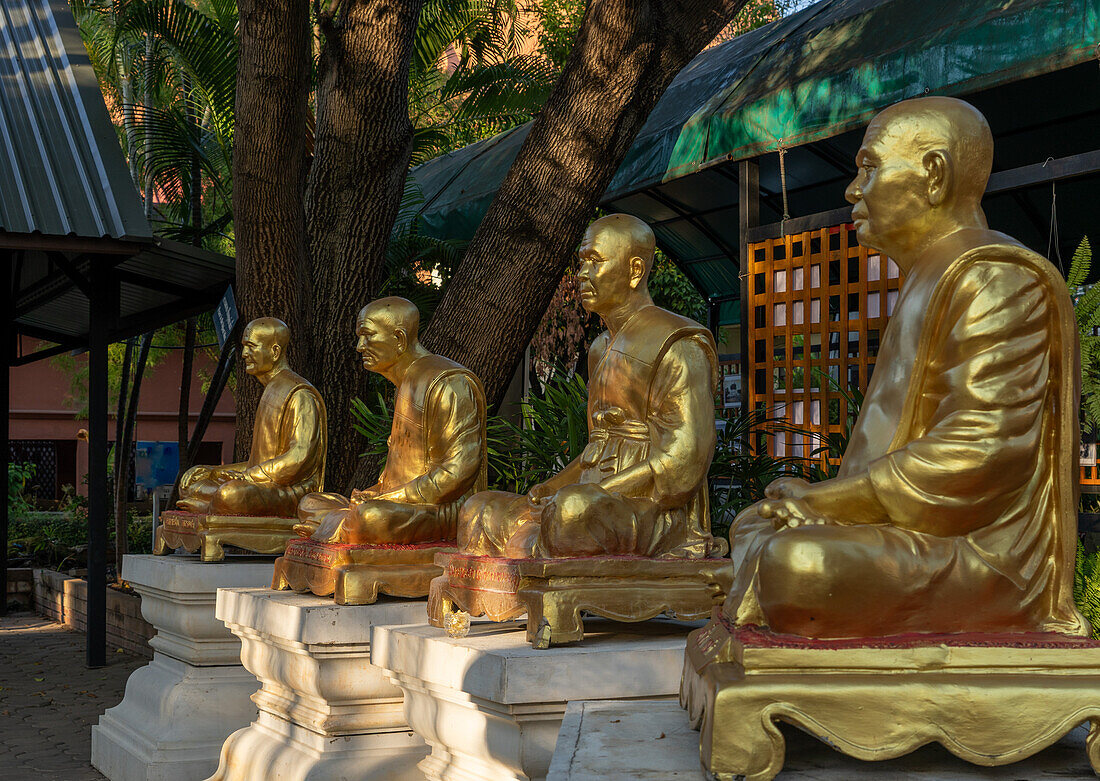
[20, 475]
[1086, 586]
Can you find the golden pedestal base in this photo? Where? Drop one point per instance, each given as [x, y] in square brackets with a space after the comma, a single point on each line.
[553, 592]
[208, 533]
[355, 574]
[988, 699]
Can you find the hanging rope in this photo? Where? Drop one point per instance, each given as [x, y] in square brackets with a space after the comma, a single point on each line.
[783, 185]
[1054, 241]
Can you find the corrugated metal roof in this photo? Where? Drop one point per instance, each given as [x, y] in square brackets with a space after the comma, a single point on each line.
[63, 177]
[62, 172]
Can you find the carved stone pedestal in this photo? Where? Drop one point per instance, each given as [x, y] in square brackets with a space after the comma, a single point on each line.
[652, 739]
[989, 699]
[554, 592]
[179, 708]
[325, 711]
[490, 706]
[208, 534]
[356, 574]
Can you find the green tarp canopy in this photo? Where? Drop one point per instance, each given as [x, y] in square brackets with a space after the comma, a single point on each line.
[798, 82]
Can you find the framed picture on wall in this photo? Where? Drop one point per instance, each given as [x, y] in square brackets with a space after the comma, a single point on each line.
[731, 391]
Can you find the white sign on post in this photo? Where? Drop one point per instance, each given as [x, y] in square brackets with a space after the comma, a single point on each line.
[225, 316]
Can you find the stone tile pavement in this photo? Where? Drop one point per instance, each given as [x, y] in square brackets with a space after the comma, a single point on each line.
[49, 700]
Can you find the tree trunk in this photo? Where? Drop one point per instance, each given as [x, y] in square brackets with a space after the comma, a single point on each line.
[625, 55]
[122, 457]
[147, 105]
[128, 122]
[123, 389]
[362, 147]
[270, 163]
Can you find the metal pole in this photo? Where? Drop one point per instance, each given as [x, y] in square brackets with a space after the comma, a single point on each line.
[748, 179]
[156, 520]
[102, 307]
[5, 452]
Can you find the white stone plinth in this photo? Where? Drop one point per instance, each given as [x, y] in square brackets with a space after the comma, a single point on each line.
[180, 708]
[325, 711]
[630, 739]
[490, 706]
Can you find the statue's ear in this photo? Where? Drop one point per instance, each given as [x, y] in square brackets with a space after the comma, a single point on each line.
[402, 339]
[276, 352]
[637, 272]
[938, 168]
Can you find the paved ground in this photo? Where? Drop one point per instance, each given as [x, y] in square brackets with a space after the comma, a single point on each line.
[49, 700]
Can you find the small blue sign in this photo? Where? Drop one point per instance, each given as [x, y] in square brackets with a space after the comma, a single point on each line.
[156, 464]
[225, 316]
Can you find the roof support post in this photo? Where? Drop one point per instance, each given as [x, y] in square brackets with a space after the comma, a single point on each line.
[713, 308]
[5, 452]
[102, 306]
[748, 204]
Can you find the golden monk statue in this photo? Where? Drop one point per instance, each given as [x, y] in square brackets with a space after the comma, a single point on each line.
[436, 456]
[623, 531]
[955, 506]
[640, 486]
[385, 537]
[287, 460]
[925, 593]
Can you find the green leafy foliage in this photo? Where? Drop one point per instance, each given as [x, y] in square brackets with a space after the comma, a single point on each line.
[20, 477]
[373, 421]
[559, 21]
[470, 78]
[671, 289]
[553, 432]
[59, 540]
[1086, 586]
[1086, 307]
[169, 70]
[739, 475]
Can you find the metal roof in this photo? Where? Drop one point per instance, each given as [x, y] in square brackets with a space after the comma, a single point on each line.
[62, 172]
[810, 82]
[68, 208]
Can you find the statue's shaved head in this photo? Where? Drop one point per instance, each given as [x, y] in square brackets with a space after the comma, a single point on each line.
[924, 125]
[632, 237]
[270, 331]
[394, 312]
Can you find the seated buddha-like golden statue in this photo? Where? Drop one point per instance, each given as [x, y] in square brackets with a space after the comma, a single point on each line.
[436, 459]
[639, 489]
[248, 504]
[640, 486]
[925, 593]
[955, 505]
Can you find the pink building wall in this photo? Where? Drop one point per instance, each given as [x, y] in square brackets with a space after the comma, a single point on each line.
[39, 408]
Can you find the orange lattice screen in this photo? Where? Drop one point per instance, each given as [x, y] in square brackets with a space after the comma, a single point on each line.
[820, 303]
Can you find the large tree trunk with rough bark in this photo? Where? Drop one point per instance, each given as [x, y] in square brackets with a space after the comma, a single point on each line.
[270, 165]
[624, 57]
[362, 147]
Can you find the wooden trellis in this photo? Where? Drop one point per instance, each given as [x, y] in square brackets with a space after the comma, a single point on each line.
[820, 304]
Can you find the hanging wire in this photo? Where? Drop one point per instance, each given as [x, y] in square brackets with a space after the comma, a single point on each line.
[783, 185]
[1054, 241]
